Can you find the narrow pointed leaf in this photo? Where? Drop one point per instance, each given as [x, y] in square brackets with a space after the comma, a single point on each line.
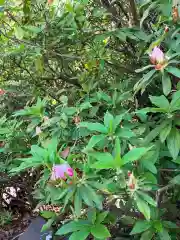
[166, 84]
[134, 155]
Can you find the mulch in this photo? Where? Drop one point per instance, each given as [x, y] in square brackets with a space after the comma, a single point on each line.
[15, 228]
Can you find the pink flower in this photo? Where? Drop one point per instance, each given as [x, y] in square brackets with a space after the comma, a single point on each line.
[38, 130]
[2, 92]
[59, 171]
[157, 56]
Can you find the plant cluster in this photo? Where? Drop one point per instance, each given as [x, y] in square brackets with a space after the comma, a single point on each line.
[100, 123]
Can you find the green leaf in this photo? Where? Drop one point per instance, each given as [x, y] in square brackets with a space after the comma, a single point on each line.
[47, 214]
[32, 29]
[94, 140]
[147, 198]
[166, 84]
[101, 216]
[80, 235]
[144, 80]
[19, 33]
[165, 131]
[108, 120]
[157, 224]
[84, 106]
[148, 235]
[70, 111]
[92, 215]
[143, 68]
[69, 195]
[140, 226]
[164, 235]
[177, 160]
[134, 155]
[125, 133]
[121, 35]
[69, 227]
[175, 103]
[101, 156]
[174, 71]
[28, 163]
[98, 127]
[168, 224]
[117, 150]
[95, 197]
[160, 101]
[122, 97]
[143, 207]
[78, 202]
[173, 142]
[176, 180]
[117, 120]
[154, 133]
[146, 13]
[178, 86]
[149, 165]
[96, 185]
[127, 220]
[149, 177]
[100, 231]
[104, 164]
[103, 96]
[47, 225]
[62, 194]
[86, 196]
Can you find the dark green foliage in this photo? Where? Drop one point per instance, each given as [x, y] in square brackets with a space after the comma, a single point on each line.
[96, 99]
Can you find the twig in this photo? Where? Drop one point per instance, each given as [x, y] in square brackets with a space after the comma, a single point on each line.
[17, 236]
[122, 9]
[160, 192]
[134, 13]
[169, 170]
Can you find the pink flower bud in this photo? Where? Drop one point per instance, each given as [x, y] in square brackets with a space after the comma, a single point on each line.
[157, 56]
[59, 171]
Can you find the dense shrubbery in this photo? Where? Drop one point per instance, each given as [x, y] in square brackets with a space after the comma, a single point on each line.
[99, 133]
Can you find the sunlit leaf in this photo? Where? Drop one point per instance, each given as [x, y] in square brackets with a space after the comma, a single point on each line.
[100, 231]
[140, 226]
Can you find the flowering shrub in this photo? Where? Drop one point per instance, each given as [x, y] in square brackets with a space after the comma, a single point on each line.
[104, 133]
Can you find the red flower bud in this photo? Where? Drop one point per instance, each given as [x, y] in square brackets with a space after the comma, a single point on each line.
[132, 186]
[166, 29]
[2, 92]
[76, 119]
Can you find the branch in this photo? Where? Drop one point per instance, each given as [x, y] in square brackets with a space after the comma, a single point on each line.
[160, 192]
[64, 79]
[134, 13]
[122, 9]
[169, 170]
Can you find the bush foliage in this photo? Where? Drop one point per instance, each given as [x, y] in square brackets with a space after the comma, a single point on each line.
[90, 100]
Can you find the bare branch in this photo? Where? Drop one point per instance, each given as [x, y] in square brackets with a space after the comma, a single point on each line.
[133, 11]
